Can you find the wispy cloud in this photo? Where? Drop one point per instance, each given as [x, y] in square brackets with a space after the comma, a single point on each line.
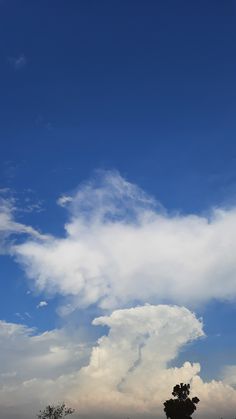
[23, 317]
[9, 227]
[18, 62]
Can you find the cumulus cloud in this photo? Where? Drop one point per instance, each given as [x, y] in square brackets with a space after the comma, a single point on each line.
[229, 375]
[128, 371]
[120, 247]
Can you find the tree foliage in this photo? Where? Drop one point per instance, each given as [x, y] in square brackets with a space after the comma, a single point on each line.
[182, 407]
[55, 412]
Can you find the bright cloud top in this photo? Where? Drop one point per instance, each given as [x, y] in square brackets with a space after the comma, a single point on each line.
[120, 247]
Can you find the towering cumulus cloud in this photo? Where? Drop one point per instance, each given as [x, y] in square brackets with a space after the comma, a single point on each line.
[123, 255]
[127, 371]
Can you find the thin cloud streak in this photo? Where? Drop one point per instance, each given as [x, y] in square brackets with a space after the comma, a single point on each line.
[18, 62]
[10, 228]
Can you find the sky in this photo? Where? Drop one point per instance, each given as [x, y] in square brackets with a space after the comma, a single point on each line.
[117, 205]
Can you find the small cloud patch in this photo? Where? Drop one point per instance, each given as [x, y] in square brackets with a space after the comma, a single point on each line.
[64, 200]
[42, 304]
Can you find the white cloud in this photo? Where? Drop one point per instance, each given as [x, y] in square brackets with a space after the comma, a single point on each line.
[127, 368]
[127, 373]
[229, 375]
[64, 200]
[30, 355]
[120, 247]
[42, 304]
[30, 362]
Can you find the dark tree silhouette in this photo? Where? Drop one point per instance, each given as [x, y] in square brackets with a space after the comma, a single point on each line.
[182, 407]
[55, 412]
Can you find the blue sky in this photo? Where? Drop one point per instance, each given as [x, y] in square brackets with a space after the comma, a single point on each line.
[143, 91]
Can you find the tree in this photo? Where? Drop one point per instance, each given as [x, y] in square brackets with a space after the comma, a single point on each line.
[182, 407]
[55, 412]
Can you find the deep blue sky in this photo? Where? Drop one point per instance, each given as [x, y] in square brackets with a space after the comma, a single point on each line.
[147, 88]
[144, 87]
